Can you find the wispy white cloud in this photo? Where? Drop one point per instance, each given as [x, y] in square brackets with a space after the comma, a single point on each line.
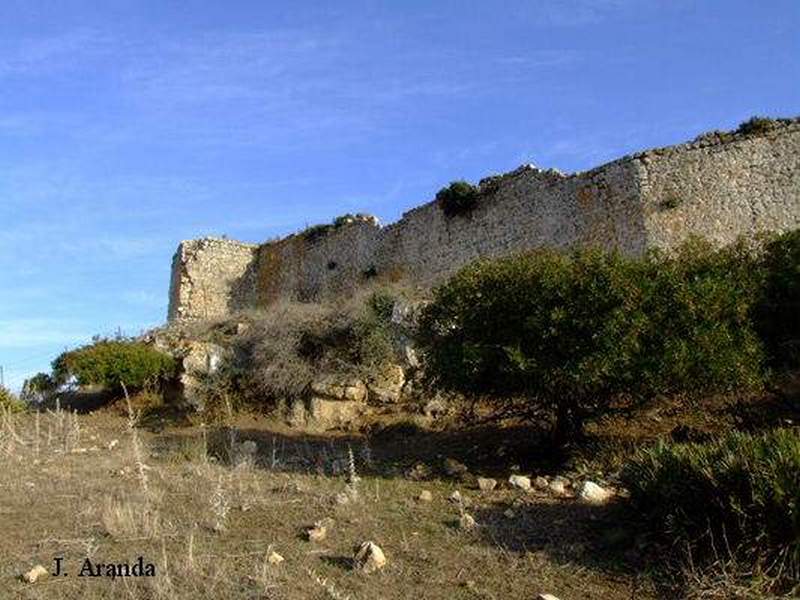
[53, 53]
[32, 332]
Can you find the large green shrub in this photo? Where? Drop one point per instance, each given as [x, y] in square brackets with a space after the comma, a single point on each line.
[112, 363]
[778, 314]
[741, 492]
[458, 198]
[700, 334]
[562, 331]
[568, 332]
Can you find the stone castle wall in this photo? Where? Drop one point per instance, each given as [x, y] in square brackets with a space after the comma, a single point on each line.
[720, 186]
[211, 278]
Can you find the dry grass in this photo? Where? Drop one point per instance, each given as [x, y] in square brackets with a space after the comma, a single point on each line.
[207, 514]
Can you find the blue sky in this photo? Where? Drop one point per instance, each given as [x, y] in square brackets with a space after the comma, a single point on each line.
[128, 126]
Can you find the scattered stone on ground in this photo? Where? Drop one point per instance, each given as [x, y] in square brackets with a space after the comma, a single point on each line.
[509, 513]
[520, 481]
[318, 532]
[591, 493]
[369, 558]
[248, 447]
[486, 484]
[425, 496]
[453, 468]
[274, 558]
[419, 472]
[558, 487]
[541, 483]
[113, 444]
[455, 497]
[35, 574]
[466, 521]
[546, 597]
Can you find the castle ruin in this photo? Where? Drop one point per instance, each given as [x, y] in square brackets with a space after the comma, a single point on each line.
[720, 187]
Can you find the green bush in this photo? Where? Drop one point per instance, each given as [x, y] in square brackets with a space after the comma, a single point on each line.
[756, 125]
[778, 313]
[742, 490]
[113, 363]
[9, 401]
[37, 388]
[458, 198]
[571, 332]
[700, 335]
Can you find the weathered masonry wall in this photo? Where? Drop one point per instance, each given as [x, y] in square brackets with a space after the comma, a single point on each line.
[211, 278]
[719, 187]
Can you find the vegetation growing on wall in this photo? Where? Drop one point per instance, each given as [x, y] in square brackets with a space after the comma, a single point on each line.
[756, 125]
[458, 198]
[316, 232]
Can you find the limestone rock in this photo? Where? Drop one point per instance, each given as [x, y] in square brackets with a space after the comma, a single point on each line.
[297, 415]
[591, 493]
[387, 385]
[466, 522]
[113, 444]
[419, 472]
[546, 597]
[369, 558]
[406, 314]
[318, 532]
[35, 574]
[456, 497]
[425, 496]
[248, 448]
[274, 558]
[453, 468]
[486, 484]
[410, 355]
[199, 359]
[541, 483]
[558, 487]
[327, 414]
[520, 482]
[353, 390]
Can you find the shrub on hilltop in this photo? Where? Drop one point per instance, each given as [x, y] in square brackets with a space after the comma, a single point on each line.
[114, 362]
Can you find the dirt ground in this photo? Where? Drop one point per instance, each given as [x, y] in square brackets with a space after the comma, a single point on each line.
[207, 513]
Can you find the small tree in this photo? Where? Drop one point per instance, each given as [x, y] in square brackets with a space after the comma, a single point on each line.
[37, 387]
[560, 331]
[568, 333]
